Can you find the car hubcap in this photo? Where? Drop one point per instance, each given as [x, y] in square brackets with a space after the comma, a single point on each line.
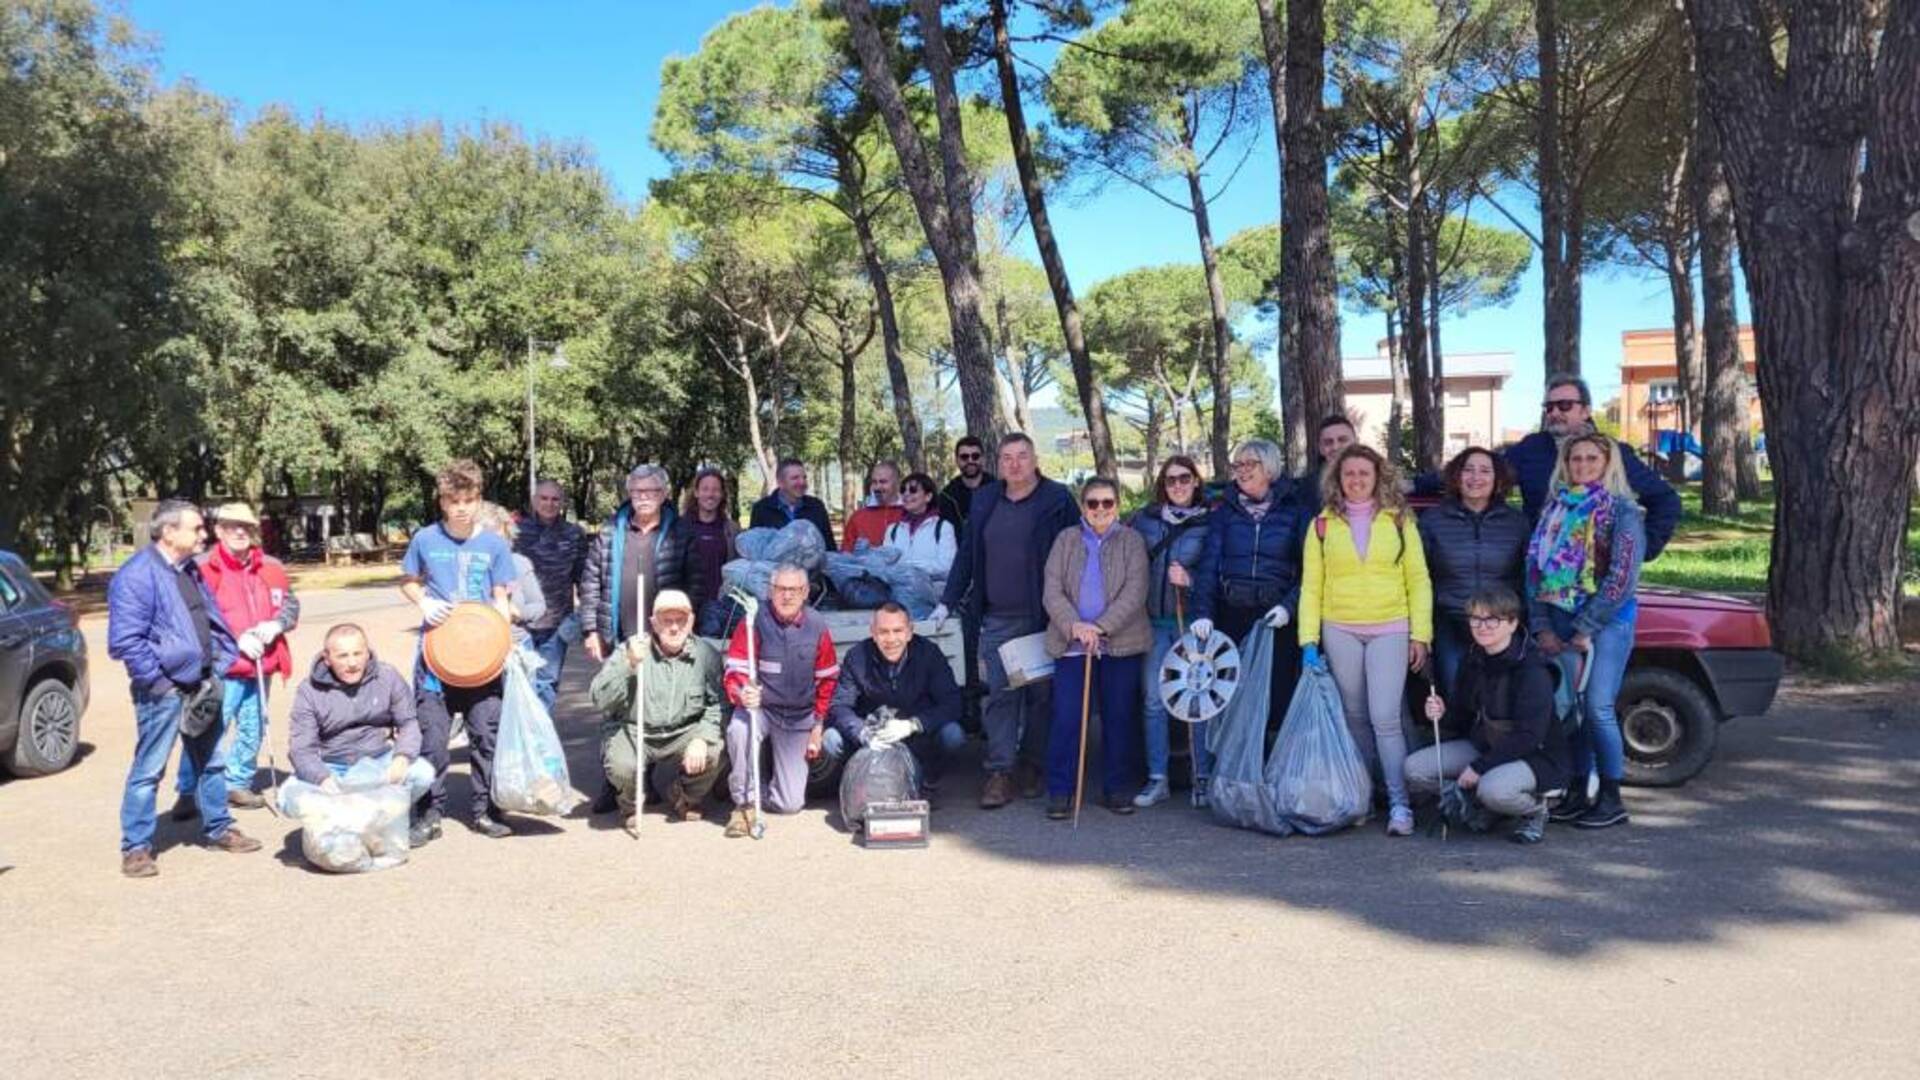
[1652, 729]
[52, 727]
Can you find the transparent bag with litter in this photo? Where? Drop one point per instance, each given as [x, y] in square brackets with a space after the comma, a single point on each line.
[877, 776]
[361, 827]
[796, 542]
[529, 761]
[871, 576]
[1238, 738]
[1316, 777]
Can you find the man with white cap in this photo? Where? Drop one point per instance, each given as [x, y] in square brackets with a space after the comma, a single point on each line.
[256, 599]
[681, 710]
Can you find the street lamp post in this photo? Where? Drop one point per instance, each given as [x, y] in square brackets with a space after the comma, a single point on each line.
[557, 361]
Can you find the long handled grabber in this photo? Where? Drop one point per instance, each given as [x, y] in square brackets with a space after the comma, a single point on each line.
[750, 608]
[266, 736]
[1086, 704]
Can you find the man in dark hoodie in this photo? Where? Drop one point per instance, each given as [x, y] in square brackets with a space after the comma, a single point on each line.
[351, 707]
[907, 677]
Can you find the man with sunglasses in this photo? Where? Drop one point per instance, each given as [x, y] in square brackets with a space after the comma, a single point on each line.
[956, 499]
[1568, 411]
[1014, 519]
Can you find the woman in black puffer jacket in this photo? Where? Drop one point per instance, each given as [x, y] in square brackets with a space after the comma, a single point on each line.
[1474, 539]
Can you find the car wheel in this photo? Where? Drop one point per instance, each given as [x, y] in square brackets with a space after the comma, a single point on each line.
[49, 730]
[1669, 724]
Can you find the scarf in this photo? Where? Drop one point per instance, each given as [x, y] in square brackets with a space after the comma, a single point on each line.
[914, 521]
[1176, 515]
[1255, 510]
[1565, 548]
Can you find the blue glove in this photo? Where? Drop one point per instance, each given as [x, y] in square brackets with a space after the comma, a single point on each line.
[1311, 657]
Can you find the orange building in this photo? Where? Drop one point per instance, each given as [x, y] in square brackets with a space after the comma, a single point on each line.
[1650, 385]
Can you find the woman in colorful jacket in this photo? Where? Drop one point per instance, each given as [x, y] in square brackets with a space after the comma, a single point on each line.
[1583, 570]
[1174, 528]
[1095, 593]
[1365, 596]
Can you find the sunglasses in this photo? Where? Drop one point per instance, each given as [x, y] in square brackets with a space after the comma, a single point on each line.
[974, 455]
[1180, 478]
[1100, 504]
[911, 490]
[1563, 405]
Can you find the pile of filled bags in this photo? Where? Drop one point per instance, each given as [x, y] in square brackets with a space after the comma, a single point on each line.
[857, 581]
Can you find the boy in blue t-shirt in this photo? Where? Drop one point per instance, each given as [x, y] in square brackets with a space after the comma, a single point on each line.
[446, 564]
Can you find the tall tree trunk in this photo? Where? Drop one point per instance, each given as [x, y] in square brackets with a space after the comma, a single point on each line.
[1150, 435]
[1562, 339]
[1396, 388]
[972, 356]
[1310, 328]
[1832, 259]
[1220, 362]
[911, 438]
[849, 440]
[1722, 413]
[1293, 421]
[1690, 396]
[1091, 404]
[1016, 378]
[1413, 310]
[742, 366]
[1436, 365]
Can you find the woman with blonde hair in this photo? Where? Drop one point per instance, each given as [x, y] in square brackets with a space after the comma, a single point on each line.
[1583, 570]
[1364, 593]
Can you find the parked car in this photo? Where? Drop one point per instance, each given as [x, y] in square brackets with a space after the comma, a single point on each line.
[1699, 659]
[43, 675]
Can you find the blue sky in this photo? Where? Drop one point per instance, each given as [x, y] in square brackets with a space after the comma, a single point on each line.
[589, 70]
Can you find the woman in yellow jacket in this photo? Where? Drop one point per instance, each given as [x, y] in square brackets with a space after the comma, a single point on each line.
[1365, 598]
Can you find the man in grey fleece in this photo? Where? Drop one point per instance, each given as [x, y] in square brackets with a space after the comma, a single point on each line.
[351, 707]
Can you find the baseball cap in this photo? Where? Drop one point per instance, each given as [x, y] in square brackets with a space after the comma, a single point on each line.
[672, 600]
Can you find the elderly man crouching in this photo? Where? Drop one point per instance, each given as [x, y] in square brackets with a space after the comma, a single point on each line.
[354, 706]
[681, 710]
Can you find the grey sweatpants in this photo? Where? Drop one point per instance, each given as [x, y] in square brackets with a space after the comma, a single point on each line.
[1505, 789]
[1372, 675]
[786, 792]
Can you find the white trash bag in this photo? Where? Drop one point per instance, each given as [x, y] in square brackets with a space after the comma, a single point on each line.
[529, 762]
[361, 827]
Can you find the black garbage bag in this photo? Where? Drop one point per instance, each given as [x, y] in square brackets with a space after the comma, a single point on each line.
[877, 776]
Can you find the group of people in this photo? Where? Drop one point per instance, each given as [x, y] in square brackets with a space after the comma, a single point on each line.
[1484, 597]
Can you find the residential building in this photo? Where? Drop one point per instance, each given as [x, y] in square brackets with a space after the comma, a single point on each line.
[1472, 382]
[1650, 386]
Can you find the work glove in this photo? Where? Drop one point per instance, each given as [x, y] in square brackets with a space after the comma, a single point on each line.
[1201, 629]
[1278, 616]
[397, 770]
[434, 610]
[938, 617]
[250, 645]
[267, 631]
[892, 731]
[1310, 656]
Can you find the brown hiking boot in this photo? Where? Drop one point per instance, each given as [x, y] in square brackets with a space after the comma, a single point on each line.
[740, 822]
[138, 863]
[242, 799]
[685, 810]
[997, 792]
[236, 842]
[1032, 784]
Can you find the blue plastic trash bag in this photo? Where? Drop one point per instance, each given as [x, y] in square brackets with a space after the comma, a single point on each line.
[796, 542]
[529, 762]
[1238, 739]
[1316, 778]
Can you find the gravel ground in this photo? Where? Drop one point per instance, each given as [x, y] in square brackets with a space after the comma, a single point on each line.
[1760, 921]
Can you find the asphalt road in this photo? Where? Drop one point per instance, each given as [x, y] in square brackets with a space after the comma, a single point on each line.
[1761, 921]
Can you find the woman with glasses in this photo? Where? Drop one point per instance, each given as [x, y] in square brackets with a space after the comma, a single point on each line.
[1250, 567]
[1174, 528]
[1095, 594]
[1365, 596]
[921, 536]
[1583, 570]
[1502, 746]
[1475, 538]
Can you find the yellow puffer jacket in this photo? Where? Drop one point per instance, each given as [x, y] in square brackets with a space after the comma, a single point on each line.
[1390, 583]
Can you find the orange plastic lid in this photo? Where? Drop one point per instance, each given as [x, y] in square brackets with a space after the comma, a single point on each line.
[469, 649]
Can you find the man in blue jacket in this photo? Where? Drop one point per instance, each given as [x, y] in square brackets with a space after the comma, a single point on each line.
[163, 624]
[1015, 519]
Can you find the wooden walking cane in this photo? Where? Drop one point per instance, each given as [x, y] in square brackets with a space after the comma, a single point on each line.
[1086, 702]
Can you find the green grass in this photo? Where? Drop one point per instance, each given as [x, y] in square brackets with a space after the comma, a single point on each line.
[1731, 553]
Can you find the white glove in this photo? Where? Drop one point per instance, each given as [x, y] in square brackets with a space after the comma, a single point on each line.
[1201, 629]
[1278, 617]
[434, 610]
[893, 731]
[267, 631]
[938, 617]
[250, 645]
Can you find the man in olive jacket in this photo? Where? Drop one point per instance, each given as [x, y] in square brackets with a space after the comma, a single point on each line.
[681, 710]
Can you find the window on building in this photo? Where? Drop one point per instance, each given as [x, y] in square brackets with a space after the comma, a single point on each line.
[1459, 398]
[1458, 441]
[1661, 391]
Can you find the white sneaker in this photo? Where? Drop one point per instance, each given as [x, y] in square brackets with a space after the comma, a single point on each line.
[1156, 791]
[1400, 821]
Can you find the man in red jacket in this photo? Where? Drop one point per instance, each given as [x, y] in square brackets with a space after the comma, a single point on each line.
[793, 689]
[256, 599]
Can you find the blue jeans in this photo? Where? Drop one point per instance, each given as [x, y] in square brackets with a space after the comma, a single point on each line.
[156, 724]
[1116, 683]
[552, 647]
[1600, 733]
[1155, 714]
[1013, 718]
[240, 712]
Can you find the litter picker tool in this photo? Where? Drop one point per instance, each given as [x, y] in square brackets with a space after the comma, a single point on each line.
[1086, 703]
[640, 768]
[266, 735]
[750, 609]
